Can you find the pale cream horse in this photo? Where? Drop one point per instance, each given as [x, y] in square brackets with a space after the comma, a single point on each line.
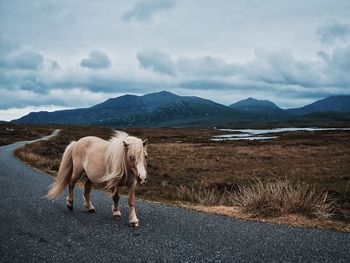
[121, 160]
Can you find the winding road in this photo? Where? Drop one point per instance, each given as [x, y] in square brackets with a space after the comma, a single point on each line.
[34, 229]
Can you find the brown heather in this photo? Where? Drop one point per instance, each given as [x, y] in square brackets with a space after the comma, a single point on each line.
[293, 175]
[10, 133]
[201, 195]
[283, 197]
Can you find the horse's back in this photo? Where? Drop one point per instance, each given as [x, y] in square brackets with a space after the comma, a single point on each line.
[87, 144]
[89, 155]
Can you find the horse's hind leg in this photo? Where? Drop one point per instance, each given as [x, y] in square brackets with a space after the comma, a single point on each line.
[69, 199]
[115, 206]
[75, 177]
[87, 197]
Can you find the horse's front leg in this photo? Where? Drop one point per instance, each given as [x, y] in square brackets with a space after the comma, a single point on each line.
[115, 206]
[132, 202]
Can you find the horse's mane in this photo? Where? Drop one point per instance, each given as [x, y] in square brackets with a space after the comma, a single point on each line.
[115, 160]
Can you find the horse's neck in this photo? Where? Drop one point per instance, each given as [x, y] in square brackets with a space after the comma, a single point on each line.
[111, 156]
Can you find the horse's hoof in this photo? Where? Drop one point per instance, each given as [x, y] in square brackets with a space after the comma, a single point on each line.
[117, 217]
[116, 214]
[92, 210]
[134, 224]
[70, 207]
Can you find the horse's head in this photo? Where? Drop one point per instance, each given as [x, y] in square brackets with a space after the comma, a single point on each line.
[136, 157]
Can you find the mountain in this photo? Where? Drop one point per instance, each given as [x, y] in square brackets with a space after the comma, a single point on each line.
[151, 110]
[114, 108]
[259, 106]
[165, 109]
[340, 103]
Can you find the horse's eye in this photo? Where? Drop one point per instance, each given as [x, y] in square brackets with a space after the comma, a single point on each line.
[132, 158]
[145, 156]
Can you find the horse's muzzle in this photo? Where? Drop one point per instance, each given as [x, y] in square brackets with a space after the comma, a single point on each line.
[140, 181]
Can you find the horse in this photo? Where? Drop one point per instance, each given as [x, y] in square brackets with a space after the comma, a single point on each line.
[110, 164]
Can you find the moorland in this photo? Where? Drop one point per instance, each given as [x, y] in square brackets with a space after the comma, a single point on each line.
[300, 178]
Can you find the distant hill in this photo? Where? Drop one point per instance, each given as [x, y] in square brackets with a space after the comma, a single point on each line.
[151, 110]
[114, 108]
[165, 109]
[259, 106]
[340, 103]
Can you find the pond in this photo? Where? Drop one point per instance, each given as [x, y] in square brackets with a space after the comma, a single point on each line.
[255, 134]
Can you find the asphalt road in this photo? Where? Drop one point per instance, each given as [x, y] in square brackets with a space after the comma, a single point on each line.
[34, 229]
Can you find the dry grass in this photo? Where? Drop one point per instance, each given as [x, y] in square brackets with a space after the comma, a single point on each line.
[200, 194]
[283, 197]
[183, 165]
[10, 133]
[42, 162]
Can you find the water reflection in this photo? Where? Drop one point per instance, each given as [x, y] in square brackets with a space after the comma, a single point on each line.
[254, 134]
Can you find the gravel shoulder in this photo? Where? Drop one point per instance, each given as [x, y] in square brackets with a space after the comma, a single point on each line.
[34, 229]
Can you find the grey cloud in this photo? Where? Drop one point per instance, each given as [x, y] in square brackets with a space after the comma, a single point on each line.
[332, 31]
[53, 64]
[221, 85]
[341, 59]
[206, 85]
[33, 83]
[144, 10]
[96, 60]
[262, 90]
[277, 67]
[270, 67]
[25, 81]
[324, 56]
[33, 90]
[27, 61]
[331, 70]
[6, 46]
[161, 62]
[336, 67]
[207, 66]
[285, 69]
[157, 61]
[41, 83]
[106, 85]
[55, 97]
[191, 28]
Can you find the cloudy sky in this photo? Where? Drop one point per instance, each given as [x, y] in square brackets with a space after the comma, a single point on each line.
[69, 54]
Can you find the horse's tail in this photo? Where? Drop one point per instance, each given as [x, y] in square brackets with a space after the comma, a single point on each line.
[64, 173]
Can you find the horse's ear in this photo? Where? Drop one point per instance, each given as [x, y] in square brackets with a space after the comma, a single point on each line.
[125, 144]
[145, 143]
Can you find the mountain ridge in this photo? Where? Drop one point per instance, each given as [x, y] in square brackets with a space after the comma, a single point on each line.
[335, 103]
[164, 108]
[255, 105]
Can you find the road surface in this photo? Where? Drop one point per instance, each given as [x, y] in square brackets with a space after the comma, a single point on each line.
[34, 229]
